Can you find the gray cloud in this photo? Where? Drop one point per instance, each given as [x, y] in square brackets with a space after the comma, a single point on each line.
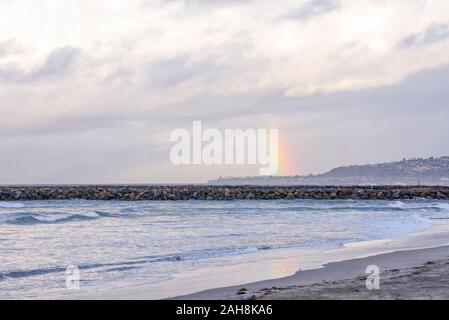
[404, 120]
[434, 33]
[422, 93]
[57, 64]
[171, 72]
[114, 117]
[314, 8]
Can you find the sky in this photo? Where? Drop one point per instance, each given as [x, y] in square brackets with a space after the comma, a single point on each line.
[90, 90]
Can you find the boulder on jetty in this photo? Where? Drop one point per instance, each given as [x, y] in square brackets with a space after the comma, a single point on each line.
[209, 192]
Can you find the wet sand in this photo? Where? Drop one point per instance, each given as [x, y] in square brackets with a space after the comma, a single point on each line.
[412, 267]
[411, 274]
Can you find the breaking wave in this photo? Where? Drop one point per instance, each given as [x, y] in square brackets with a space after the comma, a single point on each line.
[35, 218]
[397, 205]
[11, 205]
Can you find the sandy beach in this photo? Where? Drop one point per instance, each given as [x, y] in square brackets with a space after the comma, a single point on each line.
[428, 281]
[411, 267]
[412, 274]
[404, 273]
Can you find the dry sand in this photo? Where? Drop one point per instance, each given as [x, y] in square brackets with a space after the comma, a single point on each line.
[428, 281]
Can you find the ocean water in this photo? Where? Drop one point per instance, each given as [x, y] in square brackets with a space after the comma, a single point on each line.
[120, 244]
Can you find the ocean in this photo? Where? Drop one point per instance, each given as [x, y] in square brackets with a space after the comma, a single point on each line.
[119, 244]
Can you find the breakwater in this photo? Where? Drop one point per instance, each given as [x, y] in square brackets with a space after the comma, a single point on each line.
[208, 192]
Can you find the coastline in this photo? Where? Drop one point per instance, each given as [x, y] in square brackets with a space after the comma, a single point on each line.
[343, 265]
[429, 245]
[348, 276]
[427, 281]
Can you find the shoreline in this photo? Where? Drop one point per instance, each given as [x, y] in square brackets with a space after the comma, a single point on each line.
[429, 245]
[213, 192]
[427, 281]
[343, 264]
[342, 279]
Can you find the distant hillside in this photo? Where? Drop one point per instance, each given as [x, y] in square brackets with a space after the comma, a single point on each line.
[431, 171]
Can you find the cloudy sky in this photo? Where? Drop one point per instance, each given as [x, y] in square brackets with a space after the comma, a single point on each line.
[90, 90]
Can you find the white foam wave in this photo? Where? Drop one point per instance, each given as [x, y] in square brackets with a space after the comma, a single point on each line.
[90, 214]
[443, 206]
[397, 205]
[51, 218]
[30, 218]
[62, 216]
[11, 205]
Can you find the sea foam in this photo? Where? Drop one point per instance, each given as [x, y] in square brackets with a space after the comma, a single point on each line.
[12, 205]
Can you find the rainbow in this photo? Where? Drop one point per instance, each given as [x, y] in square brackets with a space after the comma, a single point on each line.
[285, 158]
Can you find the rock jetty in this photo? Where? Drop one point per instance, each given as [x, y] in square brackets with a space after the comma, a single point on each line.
[209, 192]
